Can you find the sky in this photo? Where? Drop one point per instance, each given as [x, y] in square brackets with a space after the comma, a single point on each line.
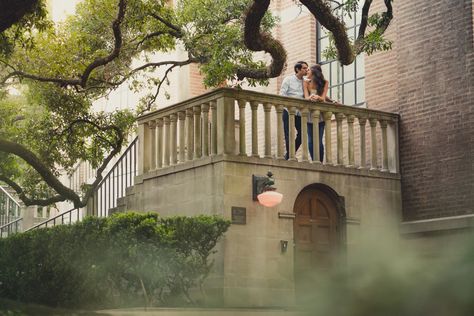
[61, 8]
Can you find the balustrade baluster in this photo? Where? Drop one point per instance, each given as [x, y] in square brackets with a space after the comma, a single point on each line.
[280, 135]
[340, 146]
[291, 132]
[327, 133]
[350, 146]
[189, 134]
[363, 159]
[242, 144]
[152, 125]
[383, 125]
[268, 131]
[304, 132]
[254, 107]
[182, 133]
[373, 143]
[205, 129]
[159, 143]
[213, 127]
[173, 140]
[316, 145]
[166, 160]
[197, 132]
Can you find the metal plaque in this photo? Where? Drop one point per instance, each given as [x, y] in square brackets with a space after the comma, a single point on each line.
[239, 215]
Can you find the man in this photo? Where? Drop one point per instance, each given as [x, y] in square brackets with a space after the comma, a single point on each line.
[292, 86]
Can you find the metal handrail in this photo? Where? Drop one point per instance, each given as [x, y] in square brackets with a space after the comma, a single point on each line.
[11, 197]
[8, 227]
[115, 182]
[67, 217]
[53, 219]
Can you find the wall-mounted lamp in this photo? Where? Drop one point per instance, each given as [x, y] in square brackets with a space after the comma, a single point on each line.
[264, 192]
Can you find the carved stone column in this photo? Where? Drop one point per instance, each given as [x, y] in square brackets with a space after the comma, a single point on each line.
[280, 135]
[254, 107]
[327, 136]
[182, 134]
[383, 125]
[197, 132]
[340, 146]
[173, 139]
[152, 126]
[350, 147]
[159, 143]
[291, 132]
[242, 144]
[189, 134]
[363, 159]
[304, 131]
[268, 131]
[213, 106]
[316, 152]
[373, 143]
[205, 129]
[166, 160]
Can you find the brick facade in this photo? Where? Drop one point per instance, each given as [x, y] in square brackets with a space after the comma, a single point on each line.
[428, 79]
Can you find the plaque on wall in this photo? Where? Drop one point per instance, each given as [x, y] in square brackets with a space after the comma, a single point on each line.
[239, 215]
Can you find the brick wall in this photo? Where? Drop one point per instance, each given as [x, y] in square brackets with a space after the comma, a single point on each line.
[429, 79]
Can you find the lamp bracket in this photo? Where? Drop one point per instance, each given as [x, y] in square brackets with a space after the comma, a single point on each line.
[258, 184]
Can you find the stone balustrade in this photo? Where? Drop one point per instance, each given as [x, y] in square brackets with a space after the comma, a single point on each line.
[205, 126]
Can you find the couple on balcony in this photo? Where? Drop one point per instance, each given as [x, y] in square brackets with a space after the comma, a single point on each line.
[307, 83]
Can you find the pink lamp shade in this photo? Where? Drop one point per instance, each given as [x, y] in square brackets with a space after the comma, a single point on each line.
[270, 198]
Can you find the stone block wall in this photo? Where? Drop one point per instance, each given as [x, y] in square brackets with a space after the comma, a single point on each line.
[250, 269]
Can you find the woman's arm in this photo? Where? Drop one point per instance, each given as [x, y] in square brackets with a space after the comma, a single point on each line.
[306, 90]
[325, 90]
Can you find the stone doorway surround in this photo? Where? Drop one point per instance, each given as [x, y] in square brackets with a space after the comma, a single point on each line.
[319, 233]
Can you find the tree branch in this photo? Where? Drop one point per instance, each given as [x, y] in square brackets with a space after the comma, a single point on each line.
[256, 40]
[45, 173]
[177, 30]
[82, 82]
[322, 13]
[30, 201]
[117, 45]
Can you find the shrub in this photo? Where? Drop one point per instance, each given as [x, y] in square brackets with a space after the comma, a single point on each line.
[109, 262]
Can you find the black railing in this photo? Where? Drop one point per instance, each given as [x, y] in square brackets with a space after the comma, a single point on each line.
[105, 196]
[112, 187]
[11, 228]
[68, 217]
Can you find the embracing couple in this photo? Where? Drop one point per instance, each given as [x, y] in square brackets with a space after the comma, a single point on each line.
[307, 83]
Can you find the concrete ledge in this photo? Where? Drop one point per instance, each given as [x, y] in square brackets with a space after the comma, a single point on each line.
[437, 224]
[270, 162]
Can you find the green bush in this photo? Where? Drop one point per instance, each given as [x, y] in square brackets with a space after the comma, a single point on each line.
[122, 260]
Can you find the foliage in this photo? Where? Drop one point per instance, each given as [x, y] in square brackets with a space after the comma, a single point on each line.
[371, 42]
[54, 117]
[21, 31]
[105, 262]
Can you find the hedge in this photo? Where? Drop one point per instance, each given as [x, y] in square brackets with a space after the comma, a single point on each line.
[128, 259]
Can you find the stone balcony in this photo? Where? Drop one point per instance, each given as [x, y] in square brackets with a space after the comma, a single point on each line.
[198, 157]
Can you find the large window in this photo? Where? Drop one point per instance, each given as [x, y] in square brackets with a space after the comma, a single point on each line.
[347, 83]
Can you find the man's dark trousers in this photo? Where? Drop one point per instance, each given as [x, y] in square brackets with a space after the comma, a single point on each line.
[298, 135]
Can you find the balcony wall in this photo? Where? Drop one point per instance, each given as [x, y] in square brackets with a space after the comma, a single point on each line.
[185, 169]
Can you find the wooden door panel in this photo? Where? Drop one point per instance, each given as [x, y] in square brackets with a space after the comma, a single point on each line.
[315, 233]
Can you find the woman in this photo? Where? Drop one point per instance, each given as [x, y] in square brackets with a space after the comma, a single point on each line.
[315, 88]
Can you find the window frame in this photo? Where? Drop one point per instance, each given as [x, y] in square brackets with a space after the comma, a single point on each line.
[342, 82]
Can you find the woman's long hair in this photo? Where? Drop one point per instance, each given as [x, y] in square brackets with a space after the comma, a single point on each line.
[318, 78]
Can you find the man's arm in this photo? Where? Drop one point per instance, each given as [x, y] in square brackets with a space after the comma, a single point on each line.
[284, 87]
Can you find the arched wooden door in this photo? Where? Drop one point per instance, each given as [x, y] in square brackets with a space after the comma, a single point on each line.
[316, 235]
